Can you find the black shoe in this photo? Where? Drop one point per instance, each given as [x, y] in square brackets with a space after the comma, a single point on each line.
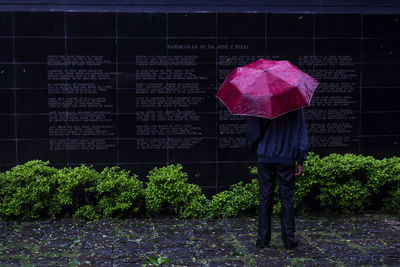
[260, 244]
[293, 245]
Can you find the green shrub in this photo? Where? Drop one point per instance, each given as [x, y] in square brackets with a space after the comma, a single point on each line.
[236, 200]
[341, 183]
[86, 212]
[118, 193]
[253, 188]
[77, 189]
[342, 180]
[307, 185]
[168, 190]
[195, 203]
[384, 174]
[388, 177]
[352, 183]
[27, 191]
[345, 183]
[392, 202]
[87, 194]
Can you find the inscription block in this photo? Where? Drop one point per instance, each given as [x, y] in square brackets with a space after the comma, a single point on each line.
[138, 89]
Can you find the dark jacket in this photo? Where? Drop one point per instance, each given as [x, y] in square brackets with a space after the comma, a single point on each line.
[281, 140]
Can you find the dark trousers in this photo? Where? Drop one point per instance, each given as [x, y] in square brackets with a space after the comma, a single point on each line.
[267, 174]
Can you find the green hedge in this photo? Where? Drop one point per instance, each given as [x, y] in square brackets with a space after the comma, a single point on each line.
[168, 190]
[349, 183]
[36, 190]
[337, 183]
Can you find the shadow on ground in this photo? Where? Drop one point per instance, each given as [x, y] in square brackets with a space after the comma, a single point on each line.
[370, 240]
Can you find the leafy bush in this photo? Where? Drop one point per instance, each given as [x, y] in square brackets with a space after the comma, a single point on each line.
[341, 180]
[308, 186]
[196, 202]
[26, 191]
[88, 194]
[77, 190]
[350, 183]
[345, 183]
[118, 193]
[341, 183]
[237, 199]
[392, 202]
[87, 212]
[168, 190]
[387, 176]
[384, 178]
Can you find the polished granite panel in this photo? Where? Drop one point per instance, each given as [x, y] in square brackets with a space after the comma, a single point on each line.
[138, 89]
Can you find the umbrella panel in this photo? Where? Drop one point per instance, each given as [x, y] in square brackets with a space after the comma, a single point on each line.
[267, 89]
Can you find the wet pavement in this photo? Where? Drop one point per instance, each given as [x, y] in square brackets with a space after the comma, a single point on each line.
[362, 240]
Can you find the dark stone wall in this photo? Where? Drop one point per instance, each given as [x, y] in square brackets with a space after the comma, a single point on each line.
[137, 89]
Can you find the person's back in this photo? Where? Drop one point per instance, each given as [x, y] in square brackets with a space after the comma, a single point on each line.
[282, 143]
[283, 140]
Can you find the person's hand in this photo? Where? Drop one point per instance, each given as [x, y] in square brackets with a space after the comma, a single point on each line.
[299, 170]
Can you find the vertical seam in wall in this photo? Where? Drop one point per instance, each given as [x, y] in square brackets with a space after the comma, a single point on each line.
[66, 88]
[116, 84]
[167, 84]
[216, 105]
[313, 65]
[313, 37]
[14, 89]
[360, 82]
[265, 34]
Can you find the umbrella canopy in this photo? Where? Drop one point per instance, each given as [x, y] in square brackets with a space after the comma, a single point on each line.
[266, 88]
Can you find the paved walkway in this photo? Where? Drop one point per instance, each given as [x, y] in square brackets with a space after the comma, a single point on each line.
[370, 240]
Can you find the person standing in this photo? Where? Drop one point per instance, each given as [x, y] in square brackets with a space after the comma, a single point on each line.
[282, 146]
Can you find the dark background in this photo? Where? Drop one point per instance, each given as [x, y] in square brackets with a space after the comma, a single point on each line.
[344, 45]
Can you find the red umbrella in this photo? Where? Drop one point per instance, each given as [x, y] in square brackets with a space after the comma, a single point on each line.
[266, 88]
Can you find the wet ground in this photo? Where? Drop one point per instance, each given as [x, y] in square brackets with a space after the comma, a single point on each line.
[363, 240]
